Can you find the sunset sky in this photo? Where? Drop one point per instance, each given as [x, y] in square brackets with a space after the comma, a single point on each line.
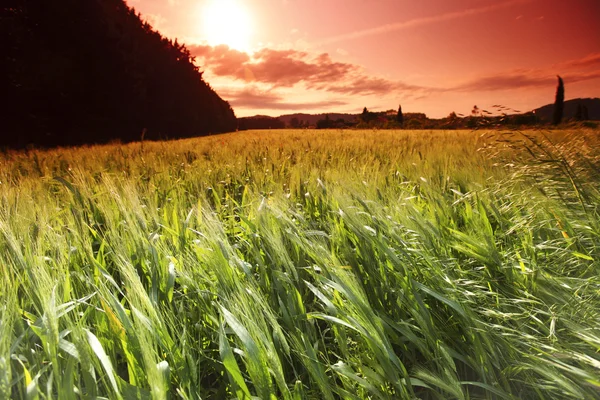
[434, 56]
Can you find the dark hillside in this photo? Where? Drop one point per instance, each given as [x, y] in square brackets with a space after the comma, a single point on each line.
[312, 119]
[260, 122]
[91, 71]
[570, 110]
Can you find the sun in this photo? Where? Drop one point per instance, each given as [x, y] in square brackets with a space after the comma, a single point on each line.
[227, 22]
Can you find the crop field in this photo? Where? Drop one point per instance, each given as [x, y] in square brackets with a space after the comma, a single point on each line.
[301, 264]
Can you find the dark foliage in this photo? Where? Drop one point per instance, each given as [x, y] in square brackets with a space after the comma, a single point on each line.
[411, 120]
[400, 116]
[329, 123]
[590, 110]
[310, 120]
[579, 113]
[90, 71]
[325, 123]
[367, 116]
[585, 115]
[260, 122]
[559, 102]
[582, 113]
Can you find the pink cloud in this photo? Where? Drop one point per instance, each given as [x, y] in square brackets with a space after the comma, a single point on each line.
[223, 61]
[256, 98]
[571, 71]
[280, 68]
[377, 86]
[591, 60]
[287, 68]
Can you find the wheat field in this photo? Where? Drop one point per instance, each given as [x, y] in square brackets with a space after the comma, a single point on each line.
[300, 264]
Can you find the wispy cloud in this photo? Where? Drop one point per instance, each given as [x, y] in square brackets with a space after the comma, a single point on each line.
[416, 22]
[572, 71]
[366, 85]
[591, 60]
[522, 80]
[517, 79]
[253, 97]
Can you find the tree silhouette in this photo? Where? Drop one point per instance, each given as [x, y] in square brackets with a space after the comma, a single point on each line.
[260, 122]
[367, 116]
[325, 123]
[93, 71]
[400, 116]
[559, 102]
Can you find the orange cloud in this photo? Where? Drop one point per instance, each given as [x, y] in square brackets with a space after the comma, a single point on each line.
[572, 71]
[256, 98]
[222, 60]
[591, 60]
[279, 68]
[287, 68]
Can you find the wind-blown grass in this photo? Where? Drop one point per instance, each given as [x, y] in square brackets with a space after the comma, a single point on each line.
[297, 264]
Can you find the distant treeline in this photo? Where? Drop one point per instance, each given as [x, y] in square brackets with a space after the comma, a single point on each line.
[387, 120]
[89, 71]
[575, 110]
[260, 122]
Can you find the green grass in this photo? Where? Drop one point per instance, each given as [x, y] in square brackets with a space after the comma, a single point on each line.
[303, 264]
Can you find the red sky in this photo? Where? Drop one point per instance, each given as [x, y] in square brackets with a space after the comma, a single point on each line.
[435, 56]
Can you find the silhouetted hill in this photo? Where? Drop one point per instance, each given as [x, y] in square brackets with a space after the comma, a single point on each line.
[85, 71]
[260, 122]
[593, 105]
[312, 119]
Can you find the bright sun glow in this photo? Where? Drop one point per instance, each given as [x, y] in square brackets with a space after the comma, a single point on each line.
[227, 22]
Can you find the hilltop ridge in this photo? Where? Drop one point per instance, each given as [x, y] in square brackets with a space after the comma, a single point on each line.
[541, 114]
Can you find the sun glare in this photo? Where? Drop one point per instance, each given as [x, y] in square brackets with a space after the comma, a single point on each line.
[227, 22]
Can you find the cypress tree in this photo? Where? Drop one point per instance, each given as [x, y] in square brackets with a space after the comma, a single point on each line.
[400, 116]
[559, 102]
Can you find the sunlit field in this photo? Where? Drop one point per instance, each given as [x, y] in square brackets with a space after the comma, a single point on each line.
[304, 265]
